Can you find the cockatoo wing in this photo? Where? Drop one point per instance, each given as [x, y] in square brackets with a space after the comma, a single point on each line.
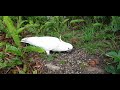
[47, 43]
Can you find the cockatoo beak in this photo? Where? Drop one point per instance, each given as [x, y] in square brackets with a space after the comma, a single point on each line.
[69, 50]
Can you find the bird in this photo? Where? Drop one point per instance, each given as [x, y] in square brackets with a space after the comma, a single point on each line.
[48, 43]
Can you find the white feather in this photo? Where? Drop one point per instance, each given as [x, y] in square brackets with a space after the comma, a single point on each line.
[48, 43]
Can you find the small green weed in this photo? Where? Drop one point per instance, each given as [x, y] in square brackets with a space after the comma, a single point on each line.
[62, 62]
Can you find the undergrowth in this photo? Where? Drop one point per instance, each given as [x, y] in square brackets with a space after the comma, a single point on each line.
[96, 34]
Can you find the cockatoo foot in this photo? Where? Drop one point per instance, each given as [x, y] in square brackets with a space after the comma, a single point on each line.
[48, 52]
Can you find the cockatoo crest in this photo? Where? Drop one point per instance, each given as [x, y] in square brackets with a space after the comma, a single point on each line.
[60, 38]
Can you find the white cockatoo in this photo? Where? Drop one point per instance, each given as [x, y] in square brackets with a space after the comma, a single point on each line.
[48, 43]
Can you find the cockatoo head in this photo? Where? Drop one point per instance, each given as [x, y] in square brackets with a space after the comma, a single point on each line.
[64, 46]
[67, 46]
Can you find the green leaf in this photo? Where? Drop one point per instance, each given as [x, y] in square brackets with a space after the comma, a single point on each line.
[12, 30]
[112, 54]
[3, 64]
[116, 59]
[97, 24]
[11, 63]
[50, 58]
[21, 72]
[119, 53]
[77, 20]
[1, 55]
[65, 21]
[118, 66]
[34, 49]
[48, 24]
[24, 68]
[42, 27]
[17, 40]
[62, 62]
[110, 69]
[14, 62]
[13, 49]
[19, 25]
[2, 44]
[26, 26]
[35, 72]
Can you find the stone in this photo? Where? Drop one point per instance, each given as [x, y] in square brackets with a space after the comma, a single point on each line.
[52, 67]
[94, 70]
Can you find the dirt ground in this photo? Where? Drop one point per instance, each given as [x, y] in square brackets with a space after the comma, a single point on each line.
[74, 62]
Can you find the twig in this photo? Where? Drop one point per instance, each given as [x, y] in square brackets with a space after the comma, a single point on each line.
[7, 71]
[18, 68]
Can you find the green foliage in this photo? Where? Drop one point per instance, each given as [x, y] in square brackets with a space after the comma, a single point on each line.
[97, 24]
[13, 49]
[15, 31]
[24, 70]
[1, 55]
[2, 44]
[88, 34]
[94, 33]
[93, 48]
[33, 49]
[10, 63]
[62, 62]
[56, 24]
[99, 18]
[1, 25]
[116, 57]
[115, 23]
[21, 72]
[12, 30]
[77, 21]
[21, 26]
[110, 69]
[35, 72]
[50, 58]
[37, 19]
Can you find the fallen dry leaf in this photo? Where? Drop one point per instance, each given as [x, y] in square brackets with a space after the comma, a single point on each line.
[93, 62]
[74, 40]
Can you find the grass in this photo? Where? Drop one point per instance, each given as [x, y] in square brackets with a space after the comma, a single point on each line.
[62, 62]
[96, 34]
